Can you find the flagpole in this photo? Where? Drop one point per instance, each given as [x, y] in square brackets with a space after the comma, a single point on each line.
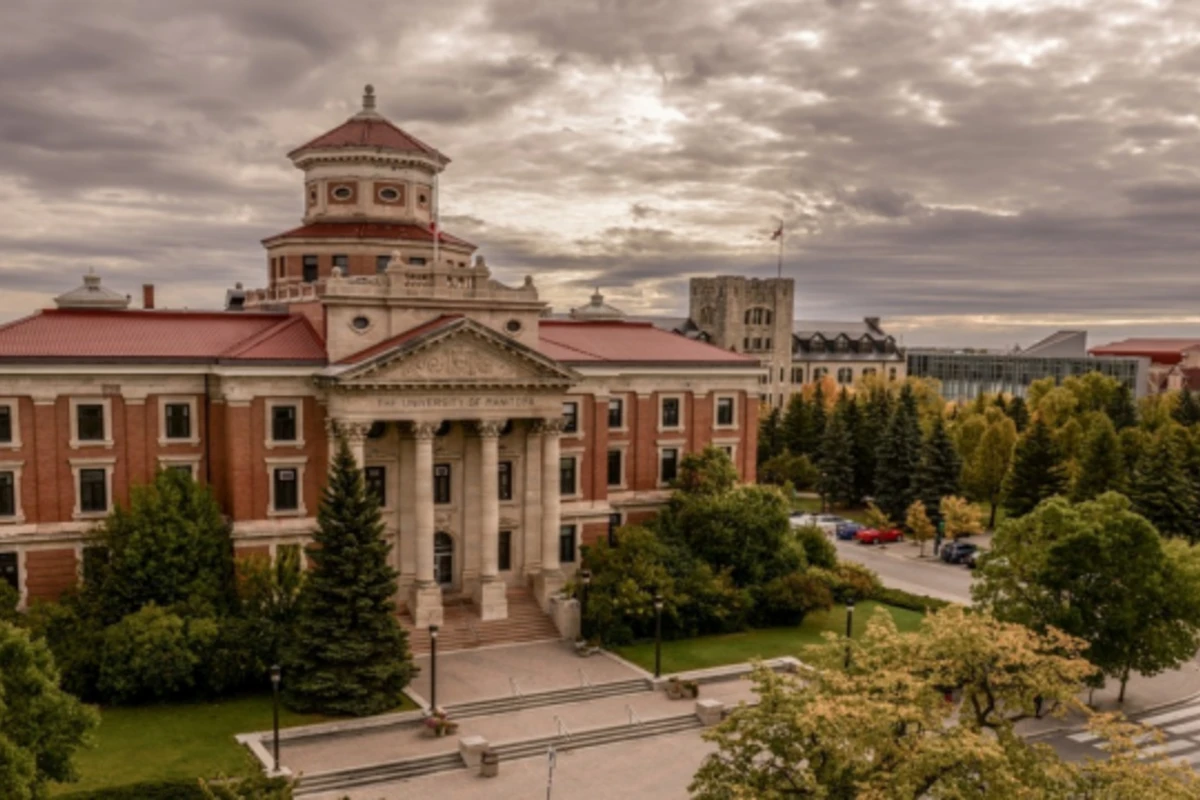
[437, 233]
[781, 234]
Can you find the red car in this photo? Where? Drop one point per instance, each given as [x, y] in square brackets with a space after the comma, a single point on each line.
[872, 536]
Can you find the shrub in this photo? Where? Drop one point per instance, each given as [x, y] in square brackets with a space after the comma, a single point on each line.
[149, 655]
[818, 550]
[75, 640]
[786, 468]
[851, 581]
[913, 602]
[191, 789]
[8, 602]
[786, 600]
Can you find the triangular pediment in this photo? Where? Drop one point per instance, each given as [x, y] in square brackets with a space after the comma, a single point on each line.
[460, 353]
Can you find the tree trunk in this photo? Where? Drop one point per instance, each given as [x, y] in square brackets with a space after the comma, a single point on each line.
[1124, 681]
[922, 550]
[992, 519]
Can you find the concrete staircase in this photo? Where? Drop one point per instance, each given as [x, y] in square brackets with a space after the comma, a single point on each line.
[557, 697]
[462, 629]
[508, 751]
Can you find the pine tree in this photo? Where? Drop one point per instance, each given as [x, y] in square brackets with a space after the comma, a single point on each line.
[818, 419]
[1101, 467]
[1001, 403]
[1162, 491]
[770, 437]
[349, 655]
[837, 465]
[939, 472]
[797, 425]
[1037, 471]
[872, 422]
[1018, 412]
[1121, 409]
[899, 455]
[1187, 410]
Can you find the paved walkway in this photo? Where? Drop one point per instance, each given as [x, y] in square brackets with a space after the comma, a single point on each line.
[466, 675]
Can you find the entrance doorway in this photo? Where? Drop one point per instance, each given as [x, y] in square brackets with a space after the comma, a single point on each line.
[443, 559]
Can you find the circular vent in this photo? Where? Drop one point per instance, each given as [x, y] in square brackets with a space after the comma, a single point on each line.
[389, 195]
[361, 323]
[513, 325]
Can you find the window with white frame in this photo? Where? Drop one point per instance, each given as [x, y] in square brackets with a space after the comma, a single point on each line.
[668, 465]
[285, 482]
[568, 475]
[845, 376]
[616, 467]
[283, 421]
[8, 494]
[570, 417]
[567, 544]
[616, 413]
[91, 422]
[797, 375]
[178, 420]
[8, 423]
[670, 413]
[726, 412]
[93, 490]
[819, 372]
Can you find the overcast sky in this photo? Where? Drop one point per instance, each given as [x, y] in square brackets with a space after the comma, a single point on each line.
[973, 171]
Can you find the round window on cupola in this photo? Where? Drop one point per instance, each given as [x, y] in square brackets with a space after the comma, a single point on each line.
[342, 192]
[389, 194]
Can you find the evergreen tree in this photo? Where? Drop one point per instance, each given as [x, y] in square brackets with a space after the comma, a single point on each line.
[939, 472]
[817, 421]
[837, 465]
[1001, 403]
[1037, 471]
[1018, 412]
[1121, 409]
[899, 454]
[1101, 467]
[350, 655]
[872, 422]
[770, 437]
[1162, 491]
[797, 426]
[1187, 410]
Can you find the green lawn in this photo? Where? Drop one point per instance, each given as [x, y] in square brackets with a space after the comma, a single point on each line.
[166, 742]
[734, 648]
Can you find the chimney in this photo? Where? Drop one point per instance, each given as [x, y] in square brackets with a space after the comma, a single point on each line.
[148, 295]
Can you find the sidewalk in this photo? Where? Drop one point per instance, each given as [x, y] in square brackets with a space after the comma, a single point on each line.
[1142, 695]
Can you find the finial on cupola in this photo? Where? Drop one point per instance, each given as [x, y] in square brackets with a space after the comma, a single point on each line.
[368, 98]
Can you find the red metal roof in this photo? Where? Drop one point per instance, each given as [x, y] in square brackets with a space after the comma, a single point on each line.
[366, 230]
[369, 131]
[1161, 351]
[620, 342]
[399, 339]
[84, 335]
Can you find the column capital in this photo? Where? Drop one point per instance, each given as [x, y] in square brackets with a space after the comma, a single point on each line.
[551, 426]
[352, 431]
[425, 431]
[488, 429]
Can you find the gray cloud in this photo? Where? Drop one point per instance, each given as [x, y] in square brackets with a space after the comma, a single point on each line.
[974, 175]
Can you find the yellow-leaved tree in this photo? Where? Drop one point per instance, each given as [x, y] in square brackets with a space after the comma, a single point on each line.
[874, 518]
[919, 526]
[962, 518]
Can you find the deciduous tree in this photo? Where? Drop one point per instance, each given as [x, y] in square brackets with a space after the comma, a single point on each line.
[984, 473]
[919, 526]
[962, 518]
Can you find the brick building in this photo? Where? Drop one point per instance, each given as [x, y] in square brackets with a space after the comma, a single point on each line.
[498, 441]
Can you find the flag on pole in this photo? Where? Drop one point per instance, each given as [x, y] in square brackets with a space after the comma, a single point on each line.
[778, 234]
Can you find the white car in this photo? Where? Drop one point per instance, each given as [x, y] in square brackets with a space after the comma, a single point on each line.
[828, 523]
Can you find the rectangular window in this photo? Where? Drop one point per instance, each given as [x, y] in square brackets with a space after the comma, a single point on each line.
[90, 422]
[287, 490]
[614, 467]
[375, 479]
[504, 557]
[8, 494]
[845, 375]
[283, 423]
[570, 417]
[93, 490]
[343, 262]
[725, 411]
[182, 469]
[441, 484]
[727, 449]
[566, 544]
[616, 413]
[178, 420]
[505, 475]
[8, 570]
[309, 265]
[6, 426]
[416, 261]
[566, 475]
[381, 263]
[670, 412]
[668, 467]
[614, 522]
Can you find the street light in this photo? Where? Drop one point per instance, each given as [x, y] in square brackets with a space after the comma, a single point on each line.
[433, 632]
[849, 626]
[658, 607]
[276, 675]
[585, 577]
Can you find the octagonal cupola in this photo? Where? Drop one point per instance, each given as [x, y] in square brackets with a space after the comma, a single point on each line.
[368, 168]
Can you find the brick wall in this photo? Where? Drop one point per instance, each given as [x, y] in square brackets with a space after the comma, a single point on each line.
[49, 573]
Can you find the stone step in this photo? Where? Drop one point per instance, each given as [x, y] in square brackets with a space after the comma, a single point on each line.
[595, 737]
[500, 705]
[462, 629]
[378, 773]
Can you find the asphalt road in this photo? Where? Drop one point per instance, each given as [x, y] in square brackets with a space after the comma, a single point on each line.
[899, 567]
[1179, 726]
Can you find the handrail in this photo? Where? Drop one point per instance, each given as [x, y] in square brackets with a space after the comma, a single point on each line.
[634, 719]
[516, 690]
[584, 681]
[563, 731]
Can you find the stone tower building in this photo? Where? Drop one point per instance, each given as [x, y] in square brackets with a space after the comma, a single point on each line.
[752, 316]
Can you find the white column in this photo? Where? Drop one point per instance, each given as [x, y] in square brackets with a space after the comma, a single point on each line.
[356, 438]
[426, 604]
[491, 597]
[550, 579]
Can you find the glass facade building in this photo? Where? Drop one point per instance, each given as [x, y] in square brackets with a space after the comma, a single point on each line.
[964, 376]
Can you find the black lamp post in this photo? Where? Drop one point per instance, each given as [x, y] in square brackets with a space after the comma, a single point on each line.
[276, 675]
[658, 607]
[849, 627]
[585, 579]
[433, 632]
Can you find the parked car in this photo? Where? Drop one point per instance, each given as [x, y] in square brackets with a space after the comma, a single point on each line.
[957, 552]
[848, 530]
[873, 536]
[826, 522]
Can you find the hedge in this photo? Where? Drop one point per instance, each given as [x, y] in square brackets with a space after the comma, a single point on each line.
[913, 602]
[182, 789]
